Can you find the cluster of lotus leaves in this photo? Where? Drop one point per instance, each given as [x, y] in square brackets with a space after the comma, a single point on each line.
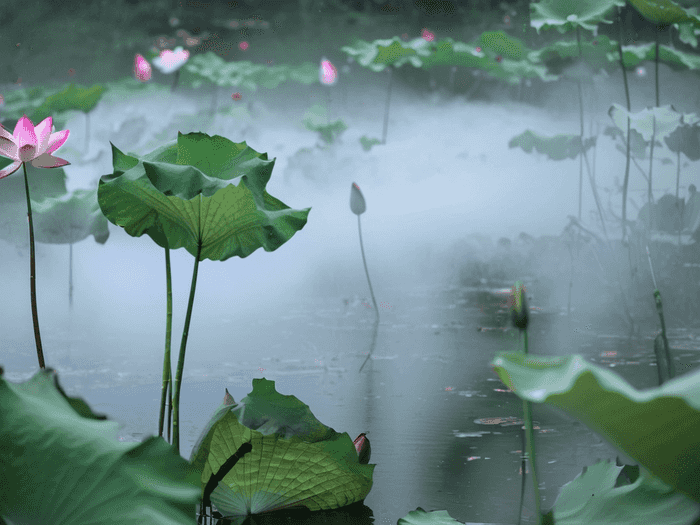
[292, 460]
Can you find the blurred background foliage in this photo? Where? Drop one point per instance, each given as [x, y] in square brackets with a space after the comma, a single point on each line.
[41, 44]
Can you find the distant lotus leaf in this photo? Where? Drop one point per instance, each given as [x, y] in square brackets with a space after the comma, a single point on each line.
[659, 121]
[243, 74]
[71, 98]
[501, 43]
[67, 466]
[67, 221]
[599, 53]
[675, 58]
[379, 54]
[558, 147]
[686, 138]
[292, 460]
[565, 16]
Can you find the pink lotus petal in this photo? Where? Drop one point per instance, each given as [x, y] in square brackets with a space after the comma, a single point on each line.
[56, 140]
[8, 148]
[33, 144]
[9, 170]
[49, 161]
[328, 72]
[142, 69]
[43, 132]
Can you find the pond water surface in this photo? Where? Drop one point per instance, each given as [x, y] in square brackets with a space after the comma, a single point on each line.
[445, 432]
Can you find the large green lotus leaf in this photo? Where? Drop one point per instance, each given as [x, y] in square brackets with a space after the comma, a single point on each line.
[181, 196]
[66, 221]
[294, 460]
[664, 12]
[63, 465]
[568, 14]
[598, 495]
[657, 427]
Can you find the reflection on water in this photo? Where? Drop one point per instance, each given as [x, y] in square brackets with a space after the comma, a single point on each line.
[446, 433]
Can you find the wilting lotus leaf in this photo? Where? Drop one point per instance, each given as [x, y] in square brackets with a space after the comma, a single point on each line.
[284, 457]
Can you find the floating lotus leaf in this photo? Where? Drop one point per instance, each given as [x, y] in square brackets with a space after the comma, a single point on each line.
[285, 457]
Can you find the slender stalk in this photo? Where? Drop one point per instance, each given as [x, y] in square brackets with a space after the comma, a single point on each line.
[181, 357]
[328, 106]
[625, 184]
[167, 367]
[663, 356]
[386, 107]
[364, 261]
[175, 80]
[32, 273]
[87, 131]
[70, 276]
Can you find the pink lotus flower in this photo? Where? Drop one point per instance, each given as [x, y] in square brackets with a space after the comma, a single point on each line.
[142, 69]
[31, 144]
[170, 61]
[328, 74]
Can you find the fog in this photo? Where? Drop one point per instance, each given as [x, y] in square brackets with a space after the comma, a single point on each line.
[445, 175]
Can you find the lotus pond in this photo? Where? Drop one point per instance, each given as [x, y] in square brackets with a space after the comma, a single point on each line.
[454, 341]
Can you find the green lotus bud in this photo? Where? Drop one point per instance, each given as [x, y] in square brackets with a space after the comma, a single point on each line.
[519, 309]
[357, 201]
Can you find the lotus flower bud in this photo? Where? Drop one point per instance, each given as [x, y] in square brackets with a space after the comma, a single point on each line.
[357, 201]
[364, 451]
[142, 69]
[519, 310]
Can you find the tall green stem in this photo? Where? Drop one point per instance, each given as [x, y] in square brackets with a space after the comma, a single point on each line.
[167, 367]
[529, 445]
[32, 274]
[364, 261]
[181, 357]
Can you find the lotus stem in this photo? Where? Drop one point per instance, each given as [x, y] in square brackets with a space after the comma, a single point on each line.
[364, 262]
[386, 108]
[520, 315]
[664, 362]
[167, 367]
[181, 357]
[32, 274]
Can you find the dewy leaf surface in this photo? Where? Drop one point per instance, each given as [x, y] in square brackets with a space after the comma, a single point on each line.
[657, 427]
[295, 461]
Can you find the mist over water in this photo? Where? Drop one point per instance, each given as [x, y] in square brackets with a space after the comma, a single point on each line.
[443, 189]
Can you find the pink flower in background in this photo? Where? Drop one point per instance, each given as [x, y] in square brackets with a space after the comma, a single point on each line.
[142, 69]
[328, 73]
[170, 61]
[33, 144]
[428, 36]
[243, 46]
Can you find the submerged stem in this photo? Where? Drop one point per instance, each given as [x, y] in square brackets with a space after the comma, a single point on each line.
[181, 357]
